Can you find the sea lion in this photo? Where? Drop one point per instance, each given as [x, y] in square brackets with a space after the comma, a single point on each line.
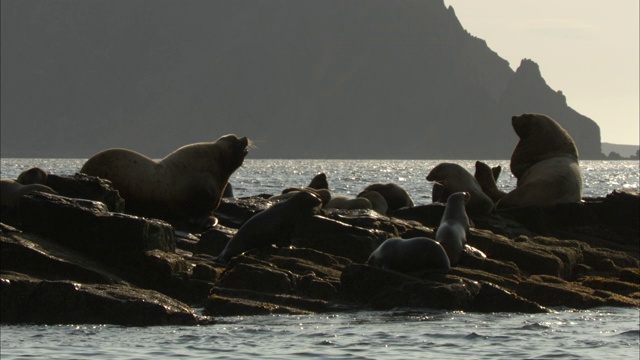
[28, 181]
[410, 255]
[186, 185]
[454, 226]
[455, 179]
[323, 194]
[486, 177]
[11, 191]
[319, 182]
[228, 191]
[378, 202]
[271, 226]
[396, 196]
[35, 175]
[347, 203]
[545, 162]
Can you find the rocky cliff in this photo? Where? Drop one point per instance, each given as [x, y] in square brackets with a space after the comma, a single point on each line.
[312, 79]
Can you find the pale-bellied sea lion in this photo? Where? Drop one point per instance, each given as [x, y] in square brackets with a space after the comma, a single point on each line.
[396, 196]
[455, 178]
[410, 255]
[487, 177]
[545, 162]
[271, 226]
[186, 185]
[454, 226]
[348, 203]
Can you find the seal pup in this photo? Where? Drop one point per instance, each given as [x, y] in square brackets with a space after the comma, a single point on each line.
[395, 196]
[410, 255]
[545, 162]
[186, 185]
[455, 178]
[486, 177]
[271, 226]
[454, 226]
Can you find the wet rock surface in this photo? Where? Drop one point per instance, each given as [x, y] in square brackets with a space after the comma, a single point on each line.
[70, 258]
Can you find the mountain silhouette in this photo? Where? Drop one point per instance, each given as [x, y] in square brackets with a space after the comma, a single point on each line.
[303, 79]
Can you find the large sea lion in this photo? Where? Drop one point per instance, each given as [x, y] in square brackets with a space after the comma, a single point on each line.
[271, 226]
[454, 226]
[487, 178]
[455, 179]
[545, 162]
[396, 196]
[186, 185]
[410, 255]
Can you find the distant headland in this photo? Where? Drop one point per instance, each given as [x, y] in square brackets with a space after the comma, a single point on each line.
[314, 79]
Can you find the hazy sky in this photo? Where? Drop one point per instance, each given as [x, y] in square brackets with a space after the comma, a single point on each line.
[588, 49]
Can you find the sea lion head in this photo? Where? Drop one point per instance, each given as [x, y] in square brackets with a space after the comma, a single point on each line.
[541, 138]
[319, 182]
[234, 149]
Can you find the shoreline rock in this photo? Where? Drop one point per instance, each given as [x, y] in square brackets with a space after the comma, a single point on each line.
[71, 260]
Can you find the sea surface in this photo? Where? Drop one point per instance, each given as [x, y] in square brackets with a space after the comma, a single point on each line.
[601, 333]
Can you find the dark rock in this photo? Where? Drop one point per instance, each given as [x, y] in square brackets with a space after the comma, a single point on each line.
[233, 212]
[29, 300]
[428, 215]
[493, 298]
[575, 262]
[214, 240]
[88, 187]
[32, 254]
[96, 231]
[559, 294]
[336, 238]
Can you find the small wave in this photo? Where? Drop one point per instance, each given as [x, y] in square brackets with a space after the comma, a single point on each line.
[534, 327]
[630, 333]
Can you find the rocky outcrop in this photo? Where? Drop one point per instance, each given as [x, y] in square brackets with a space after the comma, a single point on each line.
[69, 260]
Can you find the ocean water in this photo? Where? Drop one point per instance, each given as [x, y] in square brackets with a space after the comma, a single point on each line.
[602, 333]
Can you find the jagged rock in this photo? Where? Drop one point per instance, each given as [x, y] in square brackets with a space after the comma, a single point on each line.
[558, 294]
[29, 300]
[493, 298]
[384, 289]
[336, 238]
[35, 255]
[88, 187]
[214, 240]
[233, 212]
[88, 226]
[60, 241]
